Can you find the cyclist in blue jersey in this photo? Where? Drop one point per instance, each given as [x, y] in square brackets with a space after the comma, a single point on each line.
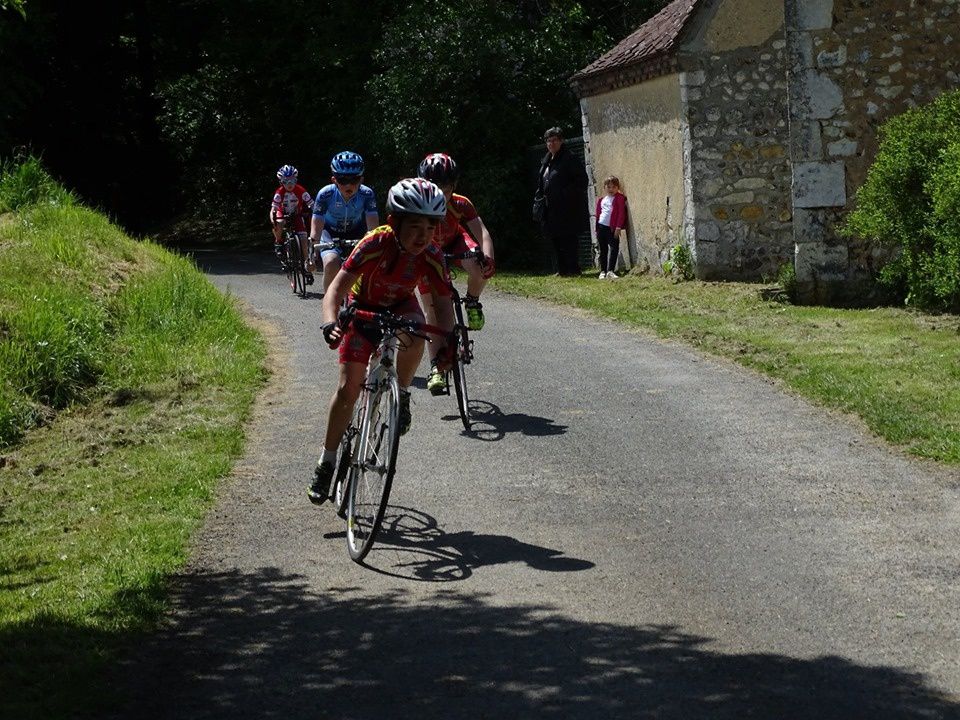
[343, 212]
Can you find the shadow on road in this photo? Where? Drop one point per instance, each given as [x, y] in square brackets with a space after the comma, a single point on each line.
[491, 424]
[220, 262]
[262, 644]
[411, 545]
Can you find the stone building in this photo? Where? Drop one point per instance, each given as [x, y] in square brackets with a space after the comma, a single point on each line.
[744, 128]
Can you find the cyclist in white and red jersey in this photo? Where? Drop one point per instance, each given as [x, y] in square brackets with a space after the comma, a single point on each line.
[461, 230]
[383, 272]
[291, 200]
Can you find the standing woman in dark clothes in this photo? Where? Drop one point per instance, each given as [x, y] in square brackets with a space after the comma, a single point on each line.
[562, 181]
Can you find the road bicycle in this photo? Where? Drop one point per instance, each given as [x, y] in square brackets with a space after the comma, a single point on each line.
[463, 352]
[368, 451]
[293, 259]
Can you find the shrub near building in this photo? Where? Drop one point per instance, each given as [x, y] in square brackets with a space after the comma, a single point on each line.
[911, 201]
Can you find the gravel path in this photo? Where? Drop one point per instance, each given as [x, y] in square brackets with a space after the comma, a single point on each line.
[631, 531]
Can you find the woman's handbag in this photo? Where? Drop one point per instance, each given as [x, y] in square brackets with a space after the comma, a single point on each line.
[539, 207]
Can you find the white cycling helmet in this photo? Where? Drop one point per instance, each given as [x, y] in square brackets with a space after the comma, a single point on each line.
[416, 196]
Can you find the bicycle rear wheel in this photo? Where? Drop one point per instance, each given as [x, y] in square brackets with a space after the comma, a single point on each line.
[460, 381]
[372, 475]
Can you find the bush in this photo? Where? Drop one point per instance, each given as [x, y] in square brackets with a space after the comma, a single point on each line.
[680, 264]
[787, 279]
[910, 202]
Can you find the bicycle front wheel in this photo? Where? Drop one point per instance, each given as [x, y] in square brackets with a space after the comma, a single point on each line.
[341, 481]
[460, 383]
[372, 475]
[298, 282]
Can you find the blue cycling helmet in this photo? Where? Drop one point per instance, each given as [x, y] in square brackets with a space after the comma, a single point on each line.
[347, 163]
[287, 172]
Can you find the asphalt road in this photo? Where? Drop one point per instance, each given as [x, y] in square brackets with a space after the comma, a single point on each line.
[632, 530]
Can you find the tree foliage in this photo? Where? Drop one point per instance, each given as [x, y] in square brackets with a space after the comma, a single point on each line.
[15, 5]
[185, 108]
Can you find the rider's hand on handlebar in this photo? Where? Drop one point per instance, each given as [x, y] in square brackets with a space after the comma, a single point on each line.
[332, 334]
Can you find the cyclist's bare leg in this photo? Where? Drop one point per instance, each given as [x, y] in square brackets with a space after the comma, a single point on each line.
[426, 300]
[278, 231]
[331, 266]
[352, 376]
[408, 359]
[476, 282]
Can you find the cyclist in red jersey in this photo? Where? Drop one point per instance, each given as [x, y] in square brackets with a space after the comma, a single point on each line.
[382, 273]
[461, 230]
[291, 199]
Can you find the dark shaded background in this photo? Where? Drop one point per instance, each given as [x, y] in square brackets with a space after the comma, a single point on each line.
[173, 116]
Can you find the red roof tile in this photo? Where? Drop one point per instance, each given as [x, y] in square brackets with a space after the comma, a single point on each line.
[656, 37]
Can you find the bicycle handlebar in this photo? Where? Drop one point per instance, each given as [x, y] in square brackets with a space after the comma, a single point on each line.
[388, 321]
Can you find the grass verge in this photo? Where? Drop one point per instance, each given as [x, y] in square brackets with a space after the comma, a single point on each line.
[898, 370]
[125, 381]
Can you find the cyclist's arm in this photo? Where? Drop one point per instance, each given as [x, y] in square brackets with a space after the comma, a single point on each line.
[336, 293]
[306, 203]
[373, 219]
[478, 231]
[316, 227]
[275, 209]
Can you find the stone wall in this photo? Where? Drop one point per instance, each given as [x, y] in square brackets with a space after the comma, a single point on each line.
[634, 133]
[734, 86]
[853, 65]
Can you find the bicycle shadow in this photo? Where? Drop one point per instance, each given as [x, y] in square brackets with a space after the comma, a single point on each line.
[490, 424]
[422, 551]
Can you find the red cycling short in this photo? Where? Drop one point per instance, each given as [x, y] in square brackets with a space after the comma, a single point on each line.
[357, 347]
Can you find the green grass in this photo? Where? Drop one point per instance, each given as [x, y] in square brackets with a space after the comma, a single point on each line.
[125, 381]
[898, 370]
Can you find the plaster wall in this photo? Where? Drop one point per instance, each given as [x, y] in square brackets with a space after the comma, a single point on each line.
[635, 134]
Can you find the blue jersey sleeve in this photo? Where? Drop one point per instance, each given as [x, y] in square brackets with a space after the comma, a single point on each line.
[369, 200]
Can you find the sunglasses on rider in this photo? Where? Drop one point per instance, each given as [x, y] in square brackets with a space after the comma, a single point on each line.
[347, 179]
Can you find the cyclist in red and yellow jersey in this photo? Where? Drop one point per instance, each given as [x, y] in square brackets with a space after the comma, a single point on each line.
[461, 230]
[382, 272]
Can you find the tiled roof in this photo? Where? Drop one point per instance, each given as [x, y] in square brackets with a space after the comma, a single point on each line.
[655, 38]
